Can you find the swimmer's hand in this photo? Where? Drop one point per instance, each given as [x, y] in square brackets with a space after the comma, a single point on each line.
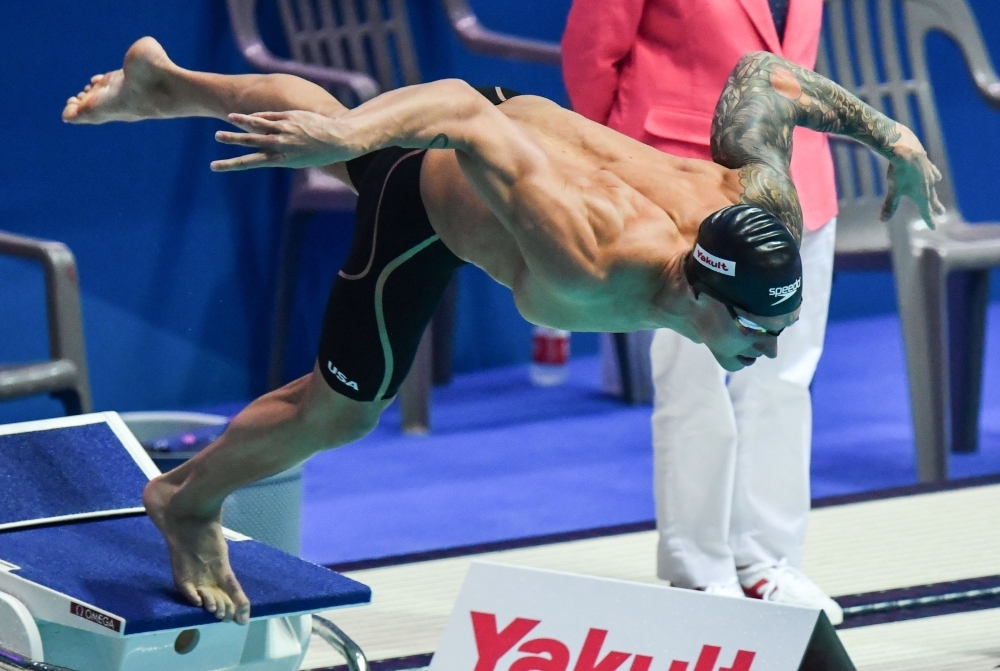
[912, 174]
[293, 139]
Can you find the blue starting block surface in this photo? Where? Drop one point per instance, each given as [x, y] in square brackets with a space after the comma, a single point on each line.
[73, 470]
[65, 486]
[121, 567]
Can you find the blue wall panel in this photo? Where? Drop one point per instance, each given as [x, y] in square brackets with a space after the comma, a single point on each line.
[177, 263]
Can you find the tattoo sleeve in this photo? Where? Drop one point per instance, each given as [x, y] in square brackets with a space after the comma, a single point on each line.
[764, 99]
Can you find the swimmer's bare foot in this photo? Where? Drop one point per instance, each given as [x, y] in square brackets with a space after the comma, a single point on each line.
[199, 555]
[133, 93]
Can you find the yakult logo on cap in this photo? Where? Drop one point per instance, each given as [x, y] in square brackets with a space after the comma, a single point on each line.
[785, 292]
[714, 262]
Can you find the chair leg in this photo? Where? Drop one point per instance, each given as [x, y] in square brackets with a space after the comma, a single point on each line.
[624, 367]
[292, 235]
[443, 326]
[415, 392]
[82, 391]
[632, 352]
[76, 401]
[921, 292]
[71, 400]
[83, 394]
[968, 294]
[923, 312]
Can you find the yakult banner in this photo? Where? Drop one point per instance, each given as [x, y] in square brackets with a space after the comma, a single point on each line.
[510, 618]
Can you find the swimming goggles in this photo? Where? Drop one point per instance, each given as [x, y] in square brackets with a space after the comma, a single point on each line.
[749, 327]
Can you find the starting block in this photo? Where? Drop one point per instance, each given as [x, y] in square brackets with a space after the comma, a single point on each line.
[85, 580]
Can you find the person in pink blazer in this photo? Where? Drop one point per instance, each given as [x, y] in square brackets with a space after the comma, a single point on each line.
[731, 451]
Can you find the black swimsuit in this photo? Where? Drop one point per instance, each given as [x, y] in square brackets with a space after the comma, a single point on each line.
[393, 279]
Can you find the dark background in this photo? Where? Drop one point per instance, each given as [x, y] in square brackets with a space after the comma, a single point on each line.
[177, 263]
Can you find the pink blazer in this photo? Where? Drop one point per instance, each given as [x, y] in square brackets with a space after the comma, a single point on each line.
[654, 70]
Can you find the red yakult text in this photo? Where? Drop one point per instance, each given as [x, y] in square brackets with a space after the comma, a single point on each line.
[549, 654]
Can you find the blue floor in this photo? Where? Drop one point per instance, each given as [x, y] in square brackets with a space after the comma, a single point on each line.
[507, 460]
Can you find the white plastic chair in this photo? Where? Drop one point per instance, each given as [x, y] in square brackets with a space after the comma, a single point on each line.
[876, 49]
[64, 376]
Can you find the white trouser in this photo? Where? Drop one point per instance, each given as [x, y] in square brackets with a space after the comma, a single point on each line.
[731, 463]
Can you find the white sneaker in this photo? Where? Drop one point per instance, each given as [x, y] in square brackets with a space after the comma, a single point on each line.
[781, 583]
[731, 589]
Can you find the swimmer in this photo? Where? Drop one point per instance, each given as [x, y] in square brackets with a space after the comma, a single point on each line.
[591, 230]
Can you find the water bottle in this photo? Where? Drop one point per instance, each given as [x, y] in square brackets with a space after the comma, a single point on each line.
[549, 356]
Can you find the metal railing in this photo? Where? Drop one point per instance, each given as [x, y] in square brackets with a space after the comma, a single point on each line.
[11, 661]
[477, 37]
[341, 642]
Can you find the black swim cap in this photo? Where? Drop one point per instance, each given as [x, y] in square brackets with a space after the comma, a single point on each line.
[747, 258]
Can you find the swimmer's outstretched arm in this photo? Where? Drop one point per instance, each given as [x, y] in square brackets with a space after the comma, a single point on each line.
[767, 96]
[446, 114]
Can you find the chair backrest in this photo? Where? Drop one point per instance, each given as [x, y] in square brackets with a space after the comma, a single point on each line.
[368, 36]
[877, 50]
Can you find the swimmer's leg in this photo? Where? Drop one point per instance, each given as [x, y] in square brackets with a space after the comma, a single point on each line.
[274, 433]
[151, 86]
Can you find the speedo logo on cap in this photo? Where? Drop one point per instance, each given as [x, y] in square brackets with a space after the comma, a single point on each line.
[713, 262]
[785, 292]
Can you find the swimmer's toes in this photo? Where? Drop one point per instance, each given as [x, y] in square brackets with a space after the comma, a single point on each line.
[130, 94]
[242, 615]
[207, 599]
[241, 604]
[189, 592]
[223, 607]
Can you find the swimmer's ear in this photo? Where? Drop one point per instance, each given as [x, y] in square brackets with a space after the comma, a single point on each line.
[690, 277]
[695, 287]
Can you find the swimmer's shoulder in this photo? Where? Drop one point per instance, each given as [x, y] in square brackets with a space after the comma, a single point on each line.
[525, 105]
[555, 122]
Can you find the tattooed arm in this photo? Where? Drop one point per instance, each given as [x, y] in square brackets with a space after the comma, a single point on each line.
[767, 96]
